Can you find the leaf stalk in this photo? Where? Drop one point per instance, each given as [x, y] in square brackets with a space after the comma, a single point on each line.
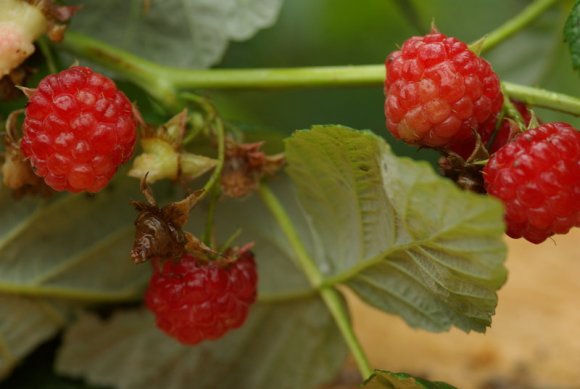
[330, 295]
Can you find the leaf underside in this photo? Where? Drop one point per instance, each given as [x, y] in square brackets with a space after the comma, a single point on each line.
[184, 33]
[404, 239]
[56, 255]
[25, 323]
[286, 345]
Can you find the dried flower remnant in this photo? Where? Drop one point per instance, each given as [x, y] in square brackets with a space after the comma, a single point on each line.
[17, 173]
[159, 231]
[245, 165]
[163, 157]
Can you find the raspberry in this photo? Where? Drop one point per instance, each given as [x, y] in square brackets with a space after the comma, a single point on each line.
[194, 300]
[537, 176]
[79, 128]
[438, 91]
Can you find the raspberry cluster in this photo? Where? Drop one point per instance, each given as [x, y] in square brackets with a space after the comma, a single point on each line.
[440, 94]
[79, 128]
[195, 300]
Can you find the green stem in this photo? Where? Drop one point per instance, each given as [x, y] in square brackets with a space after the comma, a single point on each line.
[46, 49]
[330, 295]
[517, 23]
[543, 98]
[220, 135]
[134, 68]
[510, 110]
[164, 82]
[336, 306]
[208, 233]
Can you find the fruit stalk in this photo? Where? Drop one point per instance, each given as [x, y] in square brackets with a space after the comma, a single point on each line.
[330, 295]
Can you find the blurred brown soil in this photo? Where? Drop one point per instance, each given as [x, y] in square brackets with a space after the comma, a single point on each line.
[533, 342]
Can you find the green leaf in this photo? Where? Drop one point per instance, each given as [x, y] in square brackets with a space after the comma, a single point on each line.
[55, 254]
[572, 34]
[382, 379]
[286, 345]
[403, 238]
[73, 247]
[25, 324]
[187, 33]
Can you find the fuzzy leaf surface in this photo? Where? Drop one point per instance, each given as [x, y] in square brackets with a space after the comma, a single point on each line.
[572, 34]
[294, 344]
[187, 33]
[382, 379]
[403, 238]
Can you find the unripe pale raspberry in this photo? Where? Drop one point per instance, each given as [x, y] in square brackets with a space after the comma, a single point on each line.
[79, 128]
[195, 300]
[537, 177]
[20, 24]
[438, 91]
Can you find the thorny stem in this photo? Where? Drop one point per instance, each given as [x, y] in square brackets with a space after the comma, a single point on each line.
[330, 295]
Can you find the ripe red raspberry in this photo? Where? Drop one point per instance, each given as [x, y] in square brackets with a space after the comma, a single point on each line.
[537, 176]
[78, 129]
[438, 91]
[195, 300]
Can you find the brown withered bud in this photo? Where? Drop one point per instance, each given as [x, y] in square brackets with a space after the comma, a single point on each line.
[17, 173]
[159, 232]
[467, 174]
[244, 166]
[8, 83]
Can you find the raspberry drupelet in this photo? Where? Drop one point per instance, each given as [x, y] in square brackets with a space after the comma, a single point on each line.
[79, 128]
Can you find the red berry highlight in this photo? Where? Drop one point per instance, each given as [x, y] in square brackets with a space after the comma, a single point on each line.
[79, 128]
[537, 176]
[438, 91]
[195, 300]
